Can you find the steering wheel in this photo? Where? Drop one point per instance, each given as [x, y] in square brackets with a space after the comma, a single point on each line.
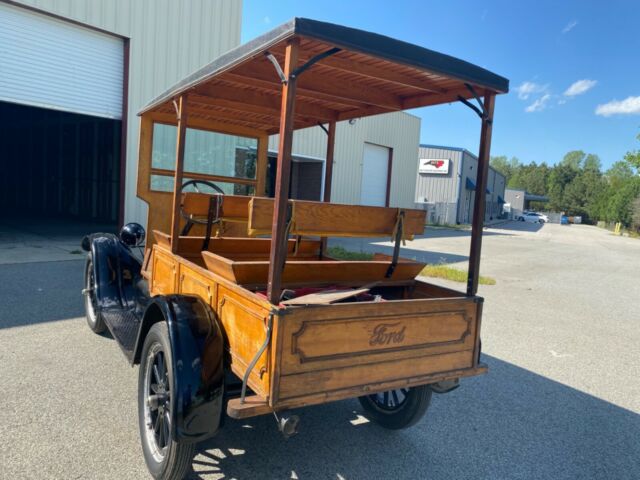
[191, 220]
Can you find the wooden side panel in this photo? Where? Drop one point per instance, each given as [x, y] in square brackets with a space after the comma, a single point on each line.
[347, 346]
[311, 272]
[244, 324]
[165, 269]
[192, 282]
[234, 207]
[330, 219]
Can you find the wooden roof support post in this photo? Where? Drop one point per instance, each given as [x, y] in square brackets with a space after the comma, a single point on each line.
[277, 255]
[328, 174]
[177, 179]
[481, 195]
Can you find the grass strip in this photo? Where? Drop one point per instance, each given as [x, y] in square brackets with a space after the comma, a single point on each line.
[453, 274]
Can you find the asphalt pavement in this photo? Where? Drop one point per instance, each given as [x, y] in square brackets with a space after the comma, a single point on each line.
[561, 399]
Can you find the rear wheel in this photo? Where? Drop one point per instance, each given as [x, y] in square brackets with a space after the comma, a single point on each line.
[397, 409]
[94, 319]
[166, 458]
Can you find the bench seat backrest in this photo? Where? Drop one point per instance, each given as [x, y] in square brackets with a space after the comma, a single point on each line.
[336, 220]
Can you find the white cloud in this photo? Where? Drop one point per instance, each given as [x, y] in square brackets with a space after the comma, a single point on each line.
[628, 106]
[526, 89]
[266, 20]
[570, 26]
[580, 87]
[540, 104]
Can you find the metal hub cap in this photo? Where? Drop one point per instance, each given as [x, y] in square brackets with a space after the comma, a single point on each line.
[391, 400]
[157, 404]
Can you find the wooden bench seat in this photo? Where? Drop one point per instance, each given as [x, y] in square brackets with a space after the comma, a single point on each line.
[255, 215]
[241, 248]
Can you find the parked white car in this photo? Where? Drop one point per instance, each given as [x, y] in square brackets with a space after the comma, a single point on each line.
[533, 217]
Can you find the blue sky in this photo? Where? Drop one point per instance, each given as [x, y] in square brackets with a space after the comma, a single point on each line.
[542, 47]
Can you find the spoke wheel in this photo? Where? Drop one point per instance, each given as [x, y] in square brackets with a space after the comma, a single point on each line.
[391, 400]
[166, 458]
[397, 409]
[157, 405]
[94, 319]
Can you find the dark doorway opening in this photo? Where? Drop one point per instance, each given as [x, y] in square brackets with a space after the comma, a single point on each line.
[305, 182]
[59, 165]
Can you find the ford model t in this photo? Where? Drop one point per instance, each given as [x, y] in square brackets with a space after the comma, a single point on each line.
[234, 306]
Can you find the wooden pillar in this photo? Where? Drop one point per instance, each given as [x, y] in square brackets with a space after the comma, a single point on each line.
[328, 174]
[481, 196]
[262, 161]
[277, 255]
[177, 179]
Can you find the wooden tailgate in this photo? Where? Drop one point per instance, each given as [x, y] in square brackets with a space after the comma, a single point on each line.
[351, 347]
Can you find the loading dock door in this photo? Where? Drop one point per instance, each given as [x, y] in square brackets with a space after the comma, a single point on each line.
[49, 63]
[375, 174]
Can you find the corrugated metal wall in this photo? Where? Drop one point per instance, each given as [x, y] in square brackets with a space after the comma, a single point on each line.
[399, 131]
[495, 184]
[448, 198]
[168, 40]
[438, 193]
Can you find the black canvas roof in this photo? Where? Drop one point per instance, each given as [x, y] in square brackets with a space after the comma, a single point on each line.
[349, 39]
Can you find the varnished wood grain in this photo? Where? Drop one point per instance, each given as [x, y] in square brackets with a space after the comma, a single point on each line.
[336, 220]
[310, 272]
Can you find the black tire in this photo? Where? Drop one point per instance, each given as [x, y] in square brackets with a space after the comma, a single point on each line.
[397, 409]
[166, 458]
[94, 318]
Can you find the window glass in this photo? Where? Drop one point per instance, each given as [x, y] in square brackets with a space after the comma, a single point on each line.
[206, 152]
[163, 150]
[163, 183]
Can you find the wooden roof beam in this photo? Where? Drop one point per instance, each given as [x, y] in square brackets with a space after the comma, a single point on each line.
[338, 89]
[370, 71]
[275, 86]
[258, 102]
[423, 100]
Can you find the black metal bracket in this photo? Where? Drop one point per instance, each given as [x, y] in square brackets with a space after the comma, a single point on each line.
[298, 71]
[321, 125]
[480, 111]
[396, 247]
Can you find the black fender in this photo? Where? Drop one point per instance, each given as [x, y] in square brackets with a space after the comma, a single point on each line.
[118, 281]
[197, 346]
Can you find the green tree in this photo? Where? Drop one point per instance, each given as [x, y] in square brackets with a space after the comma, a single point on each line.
[573, 159]
[505, 166]
[632, 157]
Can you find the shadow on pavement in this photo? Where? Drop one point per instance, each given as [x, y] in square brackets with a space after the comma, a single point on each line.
[39, 292]
[511, 423]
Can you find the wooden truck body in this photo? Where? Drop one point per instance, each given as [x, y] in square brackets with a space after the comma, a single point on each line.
[236, 305]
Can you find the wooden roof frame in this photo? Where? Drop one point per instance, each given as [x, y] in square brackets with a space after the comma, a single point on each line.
[305, 73]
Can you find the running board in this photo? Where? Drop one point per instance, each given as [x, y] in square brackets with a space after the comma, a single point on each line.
[253, 406]
[123, 325]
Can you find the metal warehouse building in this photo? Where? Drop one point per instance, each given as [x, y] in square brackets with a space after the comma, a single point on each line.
[445, 185]
[74, 74]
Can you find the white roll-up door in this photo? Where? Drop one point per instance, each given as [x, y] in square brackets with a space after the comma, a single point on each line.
[50, 63]
[375, 171]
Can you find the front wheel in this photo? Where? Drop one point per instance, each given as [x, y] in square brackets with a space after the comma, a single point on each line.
[166, 458]
[94, 318]
[397, 409]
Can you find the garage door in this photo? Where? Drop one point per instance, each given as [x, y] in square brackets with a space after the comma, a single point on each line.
[375, 171]
[49, 63]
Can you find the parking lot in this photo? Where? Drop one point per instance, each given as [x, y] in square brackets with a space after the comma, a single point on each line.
[561, 399]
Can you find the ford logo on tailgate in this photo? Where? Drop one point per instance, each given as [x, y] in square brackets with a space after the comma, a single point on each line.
[387, 334]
